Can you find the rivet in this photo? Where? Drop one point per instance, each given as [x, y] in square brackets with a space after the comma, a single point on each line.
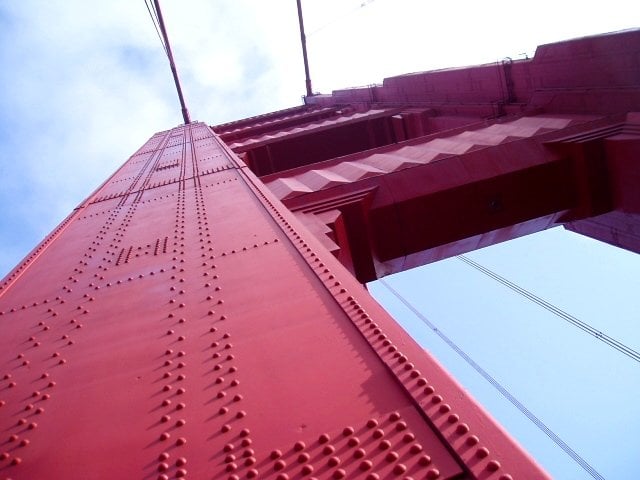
[482, 452]
[340, 473]
[384, 444]
[324, 438]
[298, 446]
[307, 470]
[433, 473]
[353, 442]
[279, 465]
[372, 423]
[401, 426]
[392, 457]
[181, 461]
[249, 452]
[275, 454]
[462, 428]
[493, 465]
[424, 460]
[379, 433]
[400, 469]
[181, 441]
[328, 449]
[333, 462]
[348, 431]
[303, 457]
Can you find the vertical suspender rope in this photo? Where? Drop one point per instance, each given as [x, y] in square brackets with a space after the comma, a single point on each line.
[503, 391]
[303, 41]
[585, 327]
[163, 30]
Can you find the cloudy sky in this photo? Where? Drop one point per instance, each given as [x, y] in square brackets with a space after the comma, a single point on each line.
[84, 83]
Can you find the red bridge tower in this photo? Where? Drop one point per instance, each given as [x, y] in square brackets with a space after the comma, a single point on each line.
[202, 313]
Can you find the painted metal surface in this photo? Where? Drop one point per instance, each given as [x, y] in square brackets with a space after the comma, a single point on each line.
[182, 323]
[464, 158]
[487, 184]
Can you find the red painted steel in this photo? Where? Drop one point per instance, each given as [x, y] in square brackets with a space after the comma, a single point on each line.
[464, 158]
[481, 186]
[183, 322]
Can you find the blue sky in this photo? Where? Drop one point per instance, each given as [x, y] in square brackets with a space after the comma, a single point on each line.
[83, 84]
[583, 390]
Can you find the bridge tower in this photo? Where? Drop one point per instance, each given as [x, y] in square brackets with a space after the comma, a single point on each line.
[202, 313]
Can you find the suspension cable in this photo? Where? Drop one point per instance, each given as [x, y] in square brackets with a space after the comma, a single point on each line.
[502, 390]
[585, 327]
[154, 19]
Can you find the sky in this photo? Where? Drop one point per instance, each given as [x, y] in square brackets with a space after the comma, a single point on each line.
[83, 84]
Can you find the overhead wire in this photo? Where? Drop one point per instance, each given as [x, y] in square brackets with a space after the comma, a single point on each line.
[154, 19]
[501, 389]
[585, 327]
